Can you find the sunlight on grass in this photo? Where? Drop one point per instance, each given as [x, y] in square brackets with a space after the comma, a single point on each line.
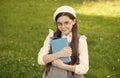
[110, 9]
[24, 26]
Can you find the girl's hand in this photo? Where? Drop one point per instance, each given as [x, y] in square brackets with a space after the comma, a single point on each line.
[65, 52]
[58, 63]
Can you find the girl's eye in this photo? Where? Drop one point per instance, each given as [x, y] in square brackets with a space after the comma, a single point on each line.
[66, 23]
[59, 24]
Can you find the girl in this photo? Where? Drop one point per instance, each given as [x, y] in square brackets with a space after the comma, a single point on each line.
[66, 24]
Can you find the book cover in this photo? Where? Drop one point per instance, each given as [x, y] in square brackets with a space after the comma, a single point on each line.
[57, 45]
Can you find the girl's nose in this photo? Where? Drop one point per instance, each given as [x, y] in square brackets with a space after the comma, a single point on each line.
[63, 26]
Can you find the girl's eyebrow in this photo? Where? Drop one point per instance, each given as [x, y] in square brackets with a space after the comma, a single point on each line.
[66, 21]
[59, 22]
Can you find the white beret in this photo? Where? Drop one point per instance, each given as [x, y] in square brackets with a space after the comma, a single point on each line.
[64, 8]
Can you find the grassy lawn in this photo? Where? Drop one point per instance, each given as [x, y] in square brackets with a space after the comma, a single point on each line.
[24, 25]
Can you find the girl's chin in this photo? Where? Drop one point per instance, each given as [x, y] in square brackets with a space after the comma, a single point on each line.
[65, 33]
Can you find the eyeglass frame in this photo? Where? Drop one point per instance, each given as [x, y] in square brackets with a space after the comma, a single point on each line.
[65, 24]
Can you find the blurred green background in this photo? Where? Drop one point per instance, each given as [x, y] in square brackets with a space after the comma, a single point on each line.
[24, 25]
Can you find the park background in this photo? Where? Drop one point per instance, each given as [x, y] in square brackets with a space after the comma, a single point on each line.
[24, 25]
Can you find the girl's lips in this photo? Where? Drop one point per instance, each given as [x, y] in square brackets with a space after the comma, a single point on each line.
[63, 30]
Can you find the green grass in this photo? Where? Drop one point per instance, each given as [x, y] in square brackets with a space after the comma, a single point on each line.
[24, 25]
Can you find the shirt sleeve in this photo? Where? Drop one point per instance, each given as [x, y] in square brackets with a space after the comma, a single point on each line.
[45, 49]
[83, 65]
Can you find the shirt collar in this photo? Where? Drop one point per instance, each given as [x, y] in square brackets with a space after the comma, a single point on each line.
[69, 36]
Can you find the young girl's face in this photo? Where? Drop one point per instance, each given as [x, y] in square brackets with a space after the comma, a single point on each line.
[65, 24]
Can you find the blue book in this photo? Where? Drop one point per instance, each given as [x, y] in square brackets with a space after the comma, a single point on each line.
[57, 45]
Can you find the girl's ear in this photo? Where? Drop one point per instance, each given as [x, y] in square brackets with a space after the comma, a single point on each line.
[74, 21]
